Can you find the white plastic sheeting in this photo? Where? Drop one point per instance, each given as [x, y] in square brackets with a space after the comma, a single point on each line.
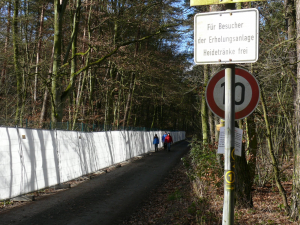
[34, 159]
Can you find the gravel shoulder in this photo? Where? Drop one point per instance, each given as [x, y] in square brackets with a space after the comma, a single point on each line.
[106, 199]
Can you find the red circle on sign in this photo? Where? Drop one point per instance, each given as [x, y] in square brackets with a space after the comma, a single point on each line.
[244, 112]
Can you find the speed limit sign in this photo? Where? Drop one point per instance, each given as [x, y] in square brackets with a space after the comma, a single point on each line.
[246, 93]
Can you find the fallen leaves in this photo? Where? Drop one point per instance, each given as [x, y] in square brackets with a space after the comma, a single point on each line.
[175, 203]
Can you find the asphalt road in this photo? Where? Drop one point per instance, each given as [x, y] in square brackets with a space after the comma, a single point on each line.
[106, 199]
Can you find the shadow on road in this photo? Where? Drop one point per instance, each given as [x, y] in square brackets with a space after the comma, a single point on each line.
[106, 199]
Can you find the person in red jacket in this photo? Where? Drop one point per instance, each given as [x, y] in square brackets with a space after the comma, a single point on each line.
[169, 141]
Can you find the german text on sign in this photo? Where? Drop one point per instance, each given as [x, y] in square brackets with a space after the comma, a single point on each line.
[226, 37]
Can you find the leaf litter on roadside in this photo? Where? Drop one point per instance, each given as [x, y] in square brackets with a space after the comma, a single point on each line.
[175, 203]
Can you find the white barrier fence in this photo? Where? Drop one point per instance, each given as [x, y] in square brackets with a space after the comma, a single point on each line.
[35, 159]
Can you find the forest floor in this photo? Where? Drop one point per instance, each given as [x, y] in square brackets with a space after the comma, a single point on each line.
[175, 202]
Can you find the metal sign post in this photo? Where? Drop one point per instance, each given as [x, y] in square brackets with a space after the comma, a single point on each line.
[227, 38]
[229, 175]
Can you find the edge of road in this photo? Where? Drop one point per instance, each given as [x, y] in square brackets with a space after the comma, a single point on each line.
[52, 190]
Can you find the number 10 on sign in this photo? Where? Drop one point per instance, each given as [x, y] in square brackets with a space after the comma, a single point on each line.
[246, 93]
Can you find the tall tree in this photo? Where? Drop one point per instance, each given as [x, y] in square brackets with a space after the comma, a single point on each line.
[38, 52]
[4, 70]
[295, 206]
[204, 113]
[59, 9]
[272, 155]
[16, 40]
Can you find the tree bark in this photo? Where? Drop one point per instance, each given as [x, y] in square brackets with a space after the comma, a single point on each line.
[295, 205]
[46, 96]
[56, 114]
[130, 108]
[251, 146]
[38, 53]
[129, 97]
[290, 15]
[211, 126]
[79, 98]
[243, 182]
[76, 20]
[272, 155]
[17, 63]
[3, 72]
[204, 118]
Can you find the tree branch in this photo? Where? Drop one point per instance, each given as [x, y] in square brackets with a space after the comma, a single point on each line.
[66, 92]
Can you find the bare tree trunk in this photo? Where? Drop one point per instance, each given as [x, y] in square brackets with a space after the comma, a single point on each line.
[129, 98]
[295, 205]
[17, 62]
[132, 86]
[290, 14]
[118, 105]
[211, 126]
[153, 116]
[130, 109]
[107, 97]
[74, 41]
[204, 118]
[46, 96]
[56, 112]
[3, 72]
[3, 81]
[79, 98]
[116, 96]
[272, 155]
[243, 183]
[92, 78]
[38, 53]
[251, 146]
[44, 108]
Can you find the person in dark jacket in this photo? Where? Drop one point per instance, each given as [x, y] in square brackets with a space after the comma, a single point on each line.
[169, 141]
[163, 140]
[156, 142]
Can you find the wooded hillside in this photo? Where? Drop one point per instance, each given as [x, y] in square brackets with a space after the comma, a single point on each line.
[98, 62]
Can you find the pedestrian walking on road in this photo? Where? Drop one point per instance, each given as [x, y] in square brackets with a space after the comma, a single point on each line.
[169, 141]
[163, 140]
[156, 142]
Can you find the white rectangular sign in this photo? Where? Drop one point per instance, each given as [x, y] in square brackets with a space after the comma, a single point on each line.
[226, 37]
[237, 141]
